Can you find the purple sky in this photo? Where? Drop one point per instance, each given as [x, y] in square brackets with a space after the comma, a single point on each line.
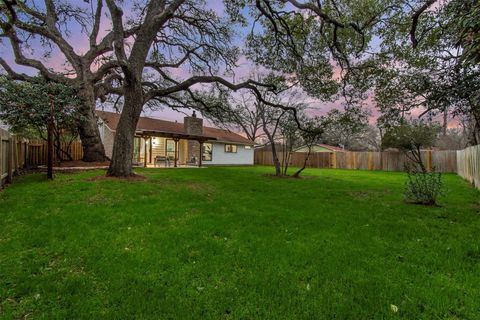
[79, 41]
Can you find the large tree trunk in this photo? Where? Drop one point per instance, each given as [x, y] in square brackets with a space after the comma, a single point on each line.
[476, 128]
[121, 164]
[92, 145]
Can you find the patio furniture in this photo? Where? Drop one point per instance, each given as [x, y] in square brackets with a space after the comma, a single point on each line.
[136, 163]
[192, 161]
[171, 160]
[162, 159]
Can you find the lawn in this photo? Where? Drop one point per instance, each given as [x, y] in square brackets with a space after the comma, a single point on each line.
[233, 243]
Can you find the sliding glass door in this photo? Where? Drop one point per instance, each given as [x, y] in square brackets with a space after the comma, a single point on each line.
[170, 149]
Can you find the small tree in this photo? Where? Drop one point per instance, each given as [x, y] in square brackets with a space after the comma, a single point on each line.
[25, 108]
[271, 118]
[422, 187]
[345, 128]
[290, 135]
[411, 138]
[241, 113]
[261, 115]
[310, 136]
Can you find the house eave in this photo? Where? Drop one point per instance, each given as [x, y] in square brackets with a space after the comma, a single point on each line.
[173, 135]
[235, 142]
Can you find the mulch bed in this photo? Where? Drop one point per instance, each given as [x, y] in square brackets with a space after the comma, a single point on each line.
[82, 164]
[133, 177]
[77, 165]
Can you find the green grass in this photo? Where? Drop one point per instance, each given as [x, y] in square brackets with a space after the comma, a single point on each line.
[233, 243]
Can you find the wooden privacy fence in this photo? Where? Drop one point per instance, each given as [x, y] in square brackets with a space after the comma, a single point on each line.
[442, 161]
[37, 152]
[13, 156]
[468, 164]
[16, 153]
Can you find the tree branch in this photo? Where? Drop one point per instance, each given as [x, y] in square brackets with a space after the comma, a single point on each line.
[248, 84]
[96, 24]
[12, 74]
[21, 59]
[415, 18]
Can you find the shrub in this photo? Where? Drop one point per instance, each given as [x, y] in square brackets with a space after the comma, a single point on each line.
[423, 187]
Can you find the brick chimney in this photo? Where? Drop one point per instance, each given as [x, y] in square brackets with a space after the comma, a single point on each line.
[193, 125]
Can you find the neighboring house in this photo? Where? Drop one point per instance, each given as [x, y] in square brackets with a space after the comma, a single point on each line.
[171, 143]
[320, 148]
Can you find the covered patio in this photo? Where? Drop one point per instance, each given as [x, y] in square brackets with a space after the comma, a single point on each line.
[162, 149]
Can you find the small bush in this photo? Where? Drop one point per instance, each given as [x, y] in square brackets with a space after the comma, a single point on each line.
[423, 187]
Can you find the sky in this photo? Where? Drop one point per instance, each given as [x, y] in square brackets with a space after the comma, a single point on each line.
[79, 42]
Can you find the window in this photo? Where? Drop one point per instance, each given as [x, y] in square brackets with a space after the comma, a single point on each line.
[248, 147]
[230, 148]
[207, 152]
[170, 149]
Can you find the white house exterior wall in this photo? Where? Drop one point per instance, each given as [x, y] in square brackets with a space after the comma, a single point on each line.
[243, 156]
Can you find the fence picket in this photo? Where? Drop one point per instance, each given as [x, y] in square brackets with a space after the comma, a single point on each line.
[442, 161]
[464, 162]
[468, 164]
[17, 153]
[37, 152]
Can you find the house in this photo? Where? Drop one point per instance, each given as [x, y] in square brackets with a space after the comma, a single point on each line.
[320, 147]
[160, 142]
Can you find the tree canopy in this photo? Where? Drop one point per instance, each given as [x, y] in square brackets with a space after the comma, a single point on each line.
[28, 107]
[25, 106]
[411, 138]
[428, 71]
[414, 58]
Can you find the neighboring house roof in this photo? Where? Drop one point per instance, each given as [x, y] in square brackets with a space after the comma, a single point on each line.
[157, 125]
[320, 148]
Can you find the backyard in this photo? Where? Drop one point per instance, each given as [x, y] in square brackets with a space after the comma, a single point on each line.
[237, 243]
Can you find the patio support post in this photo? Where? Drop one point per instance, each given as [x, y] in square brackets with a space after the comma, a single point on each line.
[145, 152]
[139, 150]
[151, 149]
[200, 155]
[175, 153]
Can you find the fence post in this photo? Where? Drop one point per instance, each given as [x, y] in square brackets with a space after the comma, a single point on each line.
[430, 160]
[381, 160]
[333, 160]
[10, 160]
[25, 160]
[16, 165]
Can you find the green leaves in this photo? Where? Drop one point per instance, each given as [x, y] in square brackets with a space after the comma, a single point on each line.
[408, 136]
[344, 128]
[469, 31]
[432, 77]
[312, 41]
[25, 106]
